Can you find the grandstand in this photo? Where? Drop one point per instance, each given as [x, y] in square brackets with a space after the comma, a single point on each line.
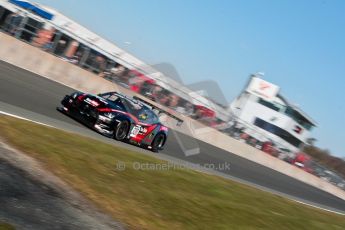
[49, 29]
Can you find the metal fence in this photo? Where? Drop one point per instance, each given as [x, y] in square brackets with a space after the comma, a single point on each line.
[78, 51]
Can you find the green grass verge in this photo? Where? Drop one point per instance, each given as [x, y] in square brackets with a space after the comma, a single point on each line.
[172, 199]
[5, 226]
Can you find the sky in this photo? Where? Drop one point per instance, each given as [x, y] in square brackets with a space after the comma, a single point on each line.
[298, 44]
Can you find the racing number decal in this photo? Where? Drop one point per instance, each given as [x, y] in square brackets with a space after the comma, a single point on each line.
[138, 129]
[135, 131]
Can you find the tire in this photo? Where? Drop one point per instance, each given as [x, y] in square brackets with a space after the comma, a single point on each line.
[121, 130]
[158, 142]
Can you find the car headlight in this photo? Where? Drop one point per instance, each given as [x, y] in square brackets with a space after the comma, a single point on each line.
[75, 95]
[109, 115]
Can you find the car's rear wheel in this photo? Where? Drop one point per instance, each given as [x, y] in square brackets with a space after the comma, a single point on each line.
[121, 130]
[158, 142]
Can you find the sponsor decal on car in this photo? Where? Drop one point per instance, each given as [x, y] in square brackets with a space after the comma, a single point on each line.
[91, 102]
[135, 131]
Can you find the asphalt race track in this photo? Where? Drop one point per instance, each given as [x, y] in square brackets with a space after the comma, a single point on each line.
[38, 97]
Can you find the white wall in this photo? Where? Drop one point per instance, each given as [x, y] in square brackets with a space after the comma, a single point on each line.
[250, 109]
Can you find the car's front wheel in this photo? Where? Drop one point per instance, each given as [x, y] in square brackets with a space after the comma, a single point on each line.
[158, 142]
[121, 130]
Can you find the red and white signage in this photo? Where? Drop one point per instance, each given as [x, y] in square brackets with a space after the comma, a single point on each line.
[262, 88]
[298, 129]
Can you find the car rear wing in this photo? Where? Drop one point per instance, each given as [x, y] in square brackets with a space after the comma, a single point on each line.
[159, 110]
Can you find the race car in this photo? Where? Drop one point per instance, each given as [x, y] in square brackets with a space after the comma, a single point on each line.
[120, 117]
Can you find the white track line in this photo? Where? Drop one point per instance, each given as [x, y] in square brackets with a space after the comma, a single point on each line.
[23, 118]
[324, 209]
[301, 202]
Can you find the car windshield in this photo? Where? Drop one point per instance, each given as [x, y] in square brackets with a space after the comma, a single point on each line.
[141, 112]
[113, 100]
[109, 96]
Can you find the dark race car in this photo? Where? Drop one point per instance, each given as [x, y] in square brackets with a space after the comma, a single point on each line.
[120, 117]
